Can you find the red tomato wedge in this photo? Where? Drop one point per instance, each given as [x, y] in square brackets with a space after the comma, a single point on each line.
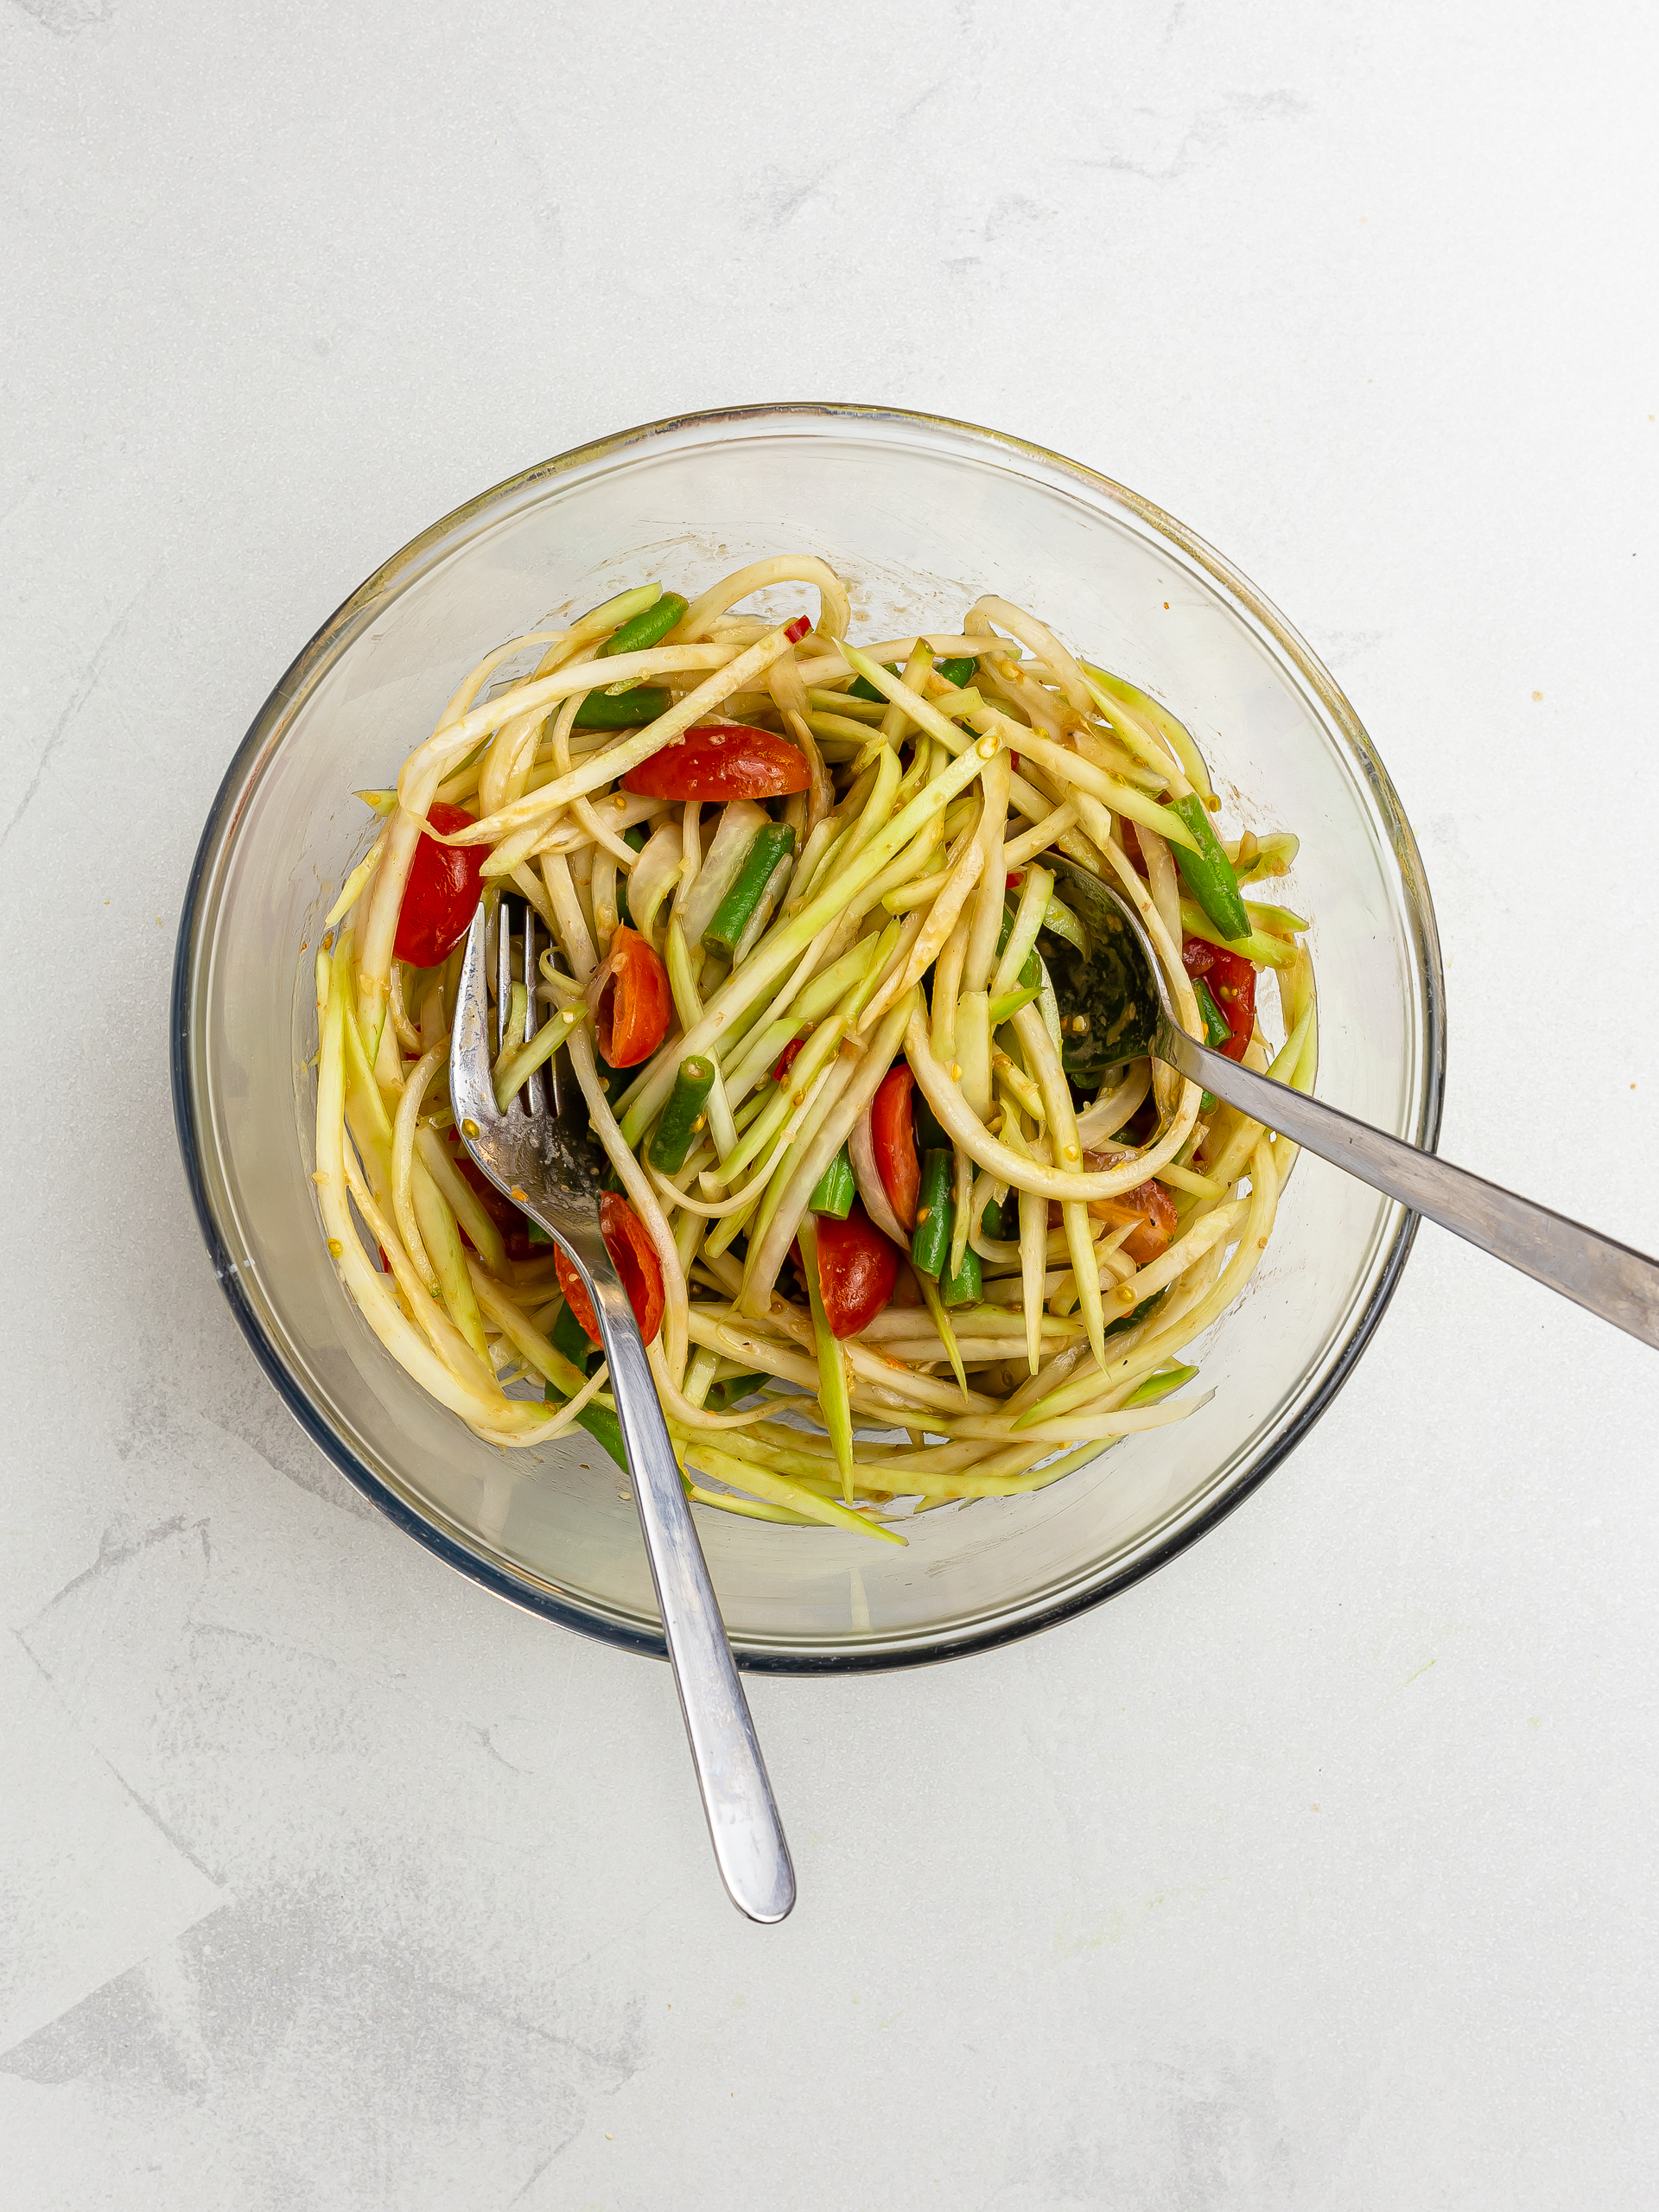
[1148, 1205]
[628, 1242]
[632, 1005]
[442, 892]
[720, 760]
[857, 1268]
[895, 1143]
[1232, 985]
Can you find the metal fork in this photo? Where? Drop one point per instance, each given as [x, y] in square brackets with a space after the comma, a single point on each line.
[544, 1155]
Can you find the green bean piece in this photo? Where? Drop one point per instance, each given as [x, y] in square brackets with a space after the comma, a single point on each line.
[836, 1189]
[990, 1221]
[723, 1396]
[645, 630]
[769, 845]
[964, 1289]
[936, 1215]
[1208, 873]
[863, 689]
[1216, 1028]
[929, 1136]
[683, 1116]
[959, 672]
[629, 710]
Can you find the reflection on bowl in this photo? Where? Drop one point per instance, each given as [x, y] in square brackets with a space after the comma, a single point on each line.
[921, 516]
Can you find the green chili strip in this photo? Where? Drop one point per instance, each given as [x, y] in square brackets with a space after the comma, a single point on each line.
[1216, 1028]
[683, 1116]
[647, 628]
[936, 1215]
[627, 710]
[769, 845]
[1208, 873]
[959, 672]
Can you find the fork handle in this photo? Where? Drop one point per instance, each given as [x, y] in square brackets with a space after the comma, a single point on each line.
[743, 1823]
[1607, 1278]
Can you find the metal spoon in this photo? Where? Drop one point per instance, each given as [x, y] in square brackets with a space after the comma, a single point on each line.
[1122, 971]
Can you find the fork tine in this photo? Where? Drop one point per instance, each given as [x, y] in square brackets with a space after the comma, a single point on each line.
[503, 971]
[470, 1058]
[535, 1097]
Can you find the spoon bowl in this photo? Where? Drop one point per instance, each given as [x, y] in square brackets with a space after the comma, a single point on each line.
[1123, 978]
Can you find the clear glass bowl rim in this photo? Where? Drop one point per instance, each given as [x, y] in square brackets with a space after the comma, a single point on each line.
[412, 560]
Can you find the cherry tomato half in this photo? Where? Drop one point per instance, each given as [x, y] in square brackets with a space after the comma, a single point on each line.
[441, 893]
[628, 1242]
[632, 1002]
[895, 1143]
[720, 760]
[857, 1268]
[1232, 985]
[1148, 1205]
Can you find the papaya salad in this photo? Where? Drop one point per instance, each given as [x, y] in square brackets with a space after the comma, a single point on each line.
[899, 1226]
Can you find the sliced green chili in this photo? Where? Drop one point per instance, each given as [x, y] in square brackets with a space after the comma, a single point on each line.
[683, 1116]
[836, 1189]
[1216, 1028]
[629, 710]
[959, 672]
[1208, 873]
[645, 630]
[936, 1215]
[770, 844]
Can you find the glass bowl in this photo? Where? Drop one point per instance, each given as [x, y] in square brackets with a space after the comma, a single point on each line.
[921, 515]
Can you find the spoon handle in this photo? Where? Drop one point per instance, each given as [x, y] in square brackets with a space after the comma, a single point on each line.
[1610, 1280]
[743, 1824]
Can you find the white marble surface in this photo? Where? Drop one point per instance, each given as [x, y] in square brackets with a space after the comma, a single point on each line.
[1317, 1870]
